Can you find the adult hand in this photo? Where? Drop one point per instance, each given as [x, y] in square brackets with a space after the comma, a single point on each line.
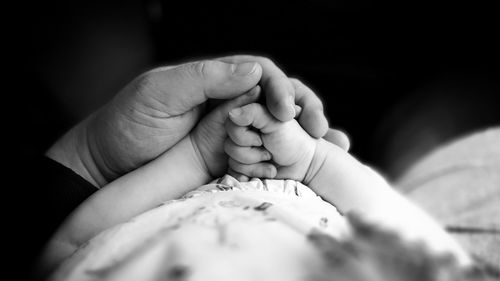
[160, 107]
[282, 93]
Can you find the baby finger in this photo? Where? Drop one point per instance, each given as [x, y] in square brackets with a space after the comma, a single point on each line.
[242, 136]
[258, 170]
[238, 176]
[246, 154]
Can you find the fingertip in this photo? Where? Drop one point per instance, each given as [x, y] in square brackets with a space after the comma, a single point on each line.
[266, 155]
[314, 122]
[242, 116]
[235, 114]
[272, 171]
[233, 108]
[243, 178]
[257, 141]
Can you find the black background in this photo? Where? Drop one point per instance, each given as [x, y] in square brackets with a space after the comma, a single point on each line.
[399, 77]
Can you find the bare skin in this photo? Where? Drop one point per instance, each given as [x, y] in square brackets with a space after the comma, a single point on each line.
[159, 108]
[288, 152]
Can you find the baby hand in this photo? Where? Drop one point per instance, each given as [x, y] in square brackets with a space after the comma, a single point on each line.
[261, 146]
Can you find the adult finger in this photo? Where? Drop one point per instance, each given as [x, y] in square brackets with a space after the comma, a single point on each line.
[312, 117]
[258, 170]
[256, 115]
[246, 154]
[338, 138]
[179, 89]
[224, 108]
[279, 91]
[242, 135]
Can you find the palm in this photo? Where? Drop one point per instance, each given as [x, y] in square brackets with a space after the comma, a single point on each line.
[132, 135]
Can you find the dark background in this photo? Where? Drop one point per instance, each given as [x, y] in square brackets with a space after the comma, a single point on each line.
[399, 77]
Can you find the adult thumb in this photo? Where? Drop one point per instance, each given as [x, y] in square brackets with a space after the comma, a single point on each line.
[186, 86]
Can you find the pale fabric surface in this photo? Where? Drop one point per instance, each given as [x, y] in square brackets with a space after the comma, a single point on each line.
[459, 183]
[228, 222]
[225, 230]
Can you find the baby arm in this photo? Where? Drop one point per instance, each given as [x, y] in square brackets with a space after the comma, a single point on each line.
[192, 162]
[331, 172]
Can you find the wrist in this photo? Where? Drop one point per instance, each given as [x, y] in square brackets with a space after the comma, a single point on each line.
[344, 181]
[198, 164]
[317, 161]
[73, 151]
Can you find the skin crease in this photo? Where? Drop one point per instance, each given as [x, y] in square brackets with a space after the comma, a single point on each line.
[196, 157]
[315, 162]
[318, 164]
[157, 119]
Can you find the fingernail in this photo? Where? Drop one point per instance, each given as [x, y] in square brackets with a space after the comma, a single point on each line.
[244, 69]
[257, 142]
[235, 112]
[271, 172]
[267, 156]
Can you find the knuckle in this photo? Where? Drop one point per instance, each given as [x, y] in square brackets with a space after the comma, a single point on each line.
[202, 68]
[239, 139]
[310, 101]
[265, 60]
[146, 83]
[265, 155]
[296, 83]
[315, 105]
[319, 104]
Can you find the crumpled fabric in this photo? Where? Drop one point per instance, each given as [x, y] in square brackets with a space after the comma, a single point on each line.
[225, 230]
